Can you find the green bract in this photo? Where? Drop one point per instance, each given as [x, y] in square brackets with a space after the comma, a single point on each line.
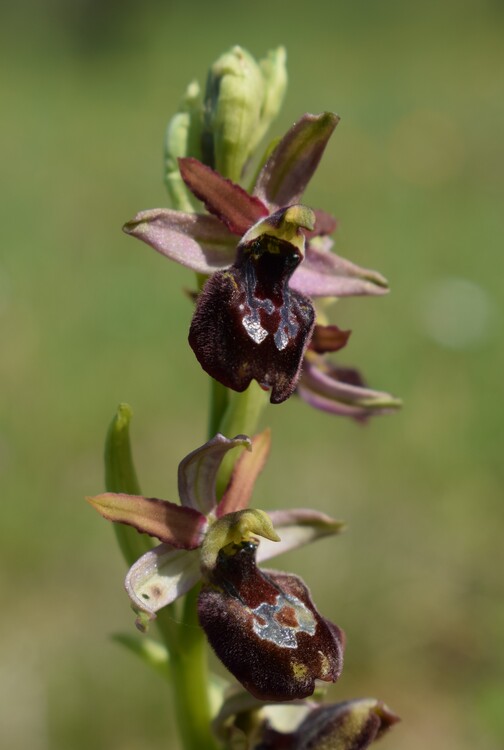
[183, 138]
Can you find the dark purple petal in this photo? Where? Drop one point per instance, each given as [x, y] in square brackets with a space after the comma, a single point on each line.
[225, 199]
[197, 472]
[325, 274]
[353, 725]
[283, 179]
[245, 473]
[328, 339]
[182, 527]
[266, 630]
[324, 224]
[347, 375]
[249, 324]
[197, 241]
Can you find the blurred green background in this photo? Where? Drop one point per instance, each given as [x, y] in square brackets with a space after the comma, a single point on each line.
[90, 317]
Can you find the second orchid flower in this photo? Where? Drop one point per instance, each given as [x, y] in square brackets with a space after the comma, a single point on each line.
[280, 643]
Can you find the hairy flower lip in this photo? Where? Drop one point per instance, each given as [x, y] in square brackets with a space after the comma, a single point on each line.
[310, 725]
[350, 725]
[248, 323]
[265, 628]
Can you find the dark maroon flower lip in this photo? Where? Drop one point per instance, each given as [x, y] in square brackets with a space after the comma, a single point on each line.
[249, 324]
[264, 627]
[351, 725]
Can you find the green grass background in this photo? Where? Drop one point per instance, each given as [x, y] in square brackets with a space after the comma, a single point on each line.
[89, 318]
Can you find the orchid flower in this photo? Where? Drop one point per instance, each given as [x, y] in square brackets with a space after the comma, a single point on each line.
[217, 542]
[207, 244]
[351, 725]
[171, 569]
[254, 318]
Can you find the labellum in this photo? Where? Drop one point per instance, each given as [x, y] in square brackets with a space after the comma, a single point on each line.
[265, 628]
[249, 324]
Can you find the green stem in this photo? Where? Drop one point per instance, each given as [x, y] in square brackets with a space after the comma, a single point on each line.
[240, 418]
[189, 675]
[219, 400]
[232, 414]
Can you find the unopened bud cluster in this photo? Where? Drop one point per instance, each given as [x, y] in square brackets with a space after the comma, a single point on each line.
[224, 126]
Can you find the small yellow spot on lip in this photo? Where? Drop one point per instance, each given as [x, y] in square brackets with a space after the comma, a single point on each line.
[324, 665]
[299, 670]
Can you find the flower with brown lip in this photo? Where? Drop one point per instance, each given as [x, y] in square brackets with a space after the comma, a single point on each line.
[254, 317]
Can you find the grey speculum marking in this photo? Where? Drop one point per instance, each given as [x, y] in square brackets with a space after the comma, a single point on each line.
[252, 322]
[288, 326]
[282, 635]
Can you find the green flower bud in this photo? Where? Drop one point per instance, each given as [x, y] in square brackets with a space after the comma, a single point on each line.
[242, 98]
[183, 138]
[274, 71]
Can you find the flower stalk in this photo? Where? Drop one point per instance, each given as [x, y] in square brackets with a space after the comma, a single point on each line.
[260, 258]
[189, 675]
[241, 417]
